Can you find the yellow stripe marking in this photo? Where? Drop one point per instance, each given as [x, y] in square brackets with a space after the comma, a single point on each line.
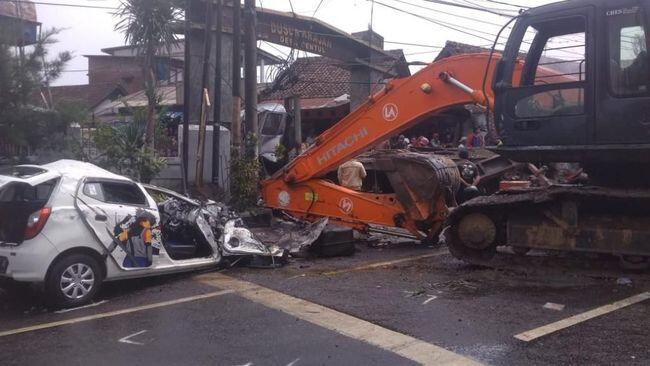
[113, 313]
[384, 264]
[406, 346]
[576, 319]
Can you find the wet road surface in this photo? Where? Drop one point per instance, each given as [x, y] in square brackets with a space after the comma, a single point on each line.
[472, 312]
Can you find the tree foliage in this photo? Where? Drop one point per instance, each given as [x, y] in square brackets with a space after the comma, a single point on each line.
[123, 149]
[23, 76]
[147, 25]
[244, 175]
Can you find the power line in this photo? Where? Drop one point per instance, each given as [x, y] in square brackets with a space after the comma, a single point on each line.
[440, 23]
[443, 2]
[62, 4]
[412, 44]
[510, 4]
[452, 14]
[317, 7]
[485, 7]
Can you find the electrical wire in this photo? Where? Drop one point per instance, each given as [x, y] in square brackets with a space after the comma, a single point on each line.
[448, 3]
[510, 4]
[440, 23]
[451, 14]
[317, 7]
[62, 4]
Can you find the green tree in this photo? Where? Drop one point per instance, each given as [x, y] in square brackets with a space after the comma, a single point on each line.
[244, 175]
[147, 25]
[123, 149]
[23, 76]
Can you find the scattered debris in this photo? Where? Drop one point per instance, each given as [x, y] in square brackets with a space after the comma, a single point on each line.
[553, 306]
[299, 241]
[297, 276]
[459, 284]
[624, 281]
[416, 293]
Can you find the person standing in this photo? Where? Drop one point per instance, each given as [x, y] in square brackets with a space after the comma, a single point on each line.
[351, 174]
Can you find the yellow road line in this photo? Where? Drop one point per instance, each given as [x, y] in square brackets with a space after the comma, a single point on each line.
[576, 319]
[384, 264]
[406, 346]
[113, 313]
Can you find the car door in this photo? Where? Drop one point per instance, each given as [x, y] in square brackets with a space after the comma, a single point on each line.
[125, 222]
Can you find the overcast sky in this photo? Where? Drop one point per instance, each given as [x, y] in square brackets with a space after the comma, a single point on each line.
[87, 30]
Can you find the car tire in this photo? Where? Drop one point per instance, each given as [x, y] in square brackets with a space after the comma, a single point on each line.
[73, 281]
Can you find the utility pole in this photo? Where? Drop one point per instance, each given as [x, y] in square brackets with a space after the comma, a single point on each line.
[250, 70]
[205, 100]
[216, 126]
[186, 98]
[236, 76]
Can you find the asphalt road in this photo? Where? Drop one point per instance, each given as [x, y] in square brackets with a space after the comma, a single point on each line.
[472, 313]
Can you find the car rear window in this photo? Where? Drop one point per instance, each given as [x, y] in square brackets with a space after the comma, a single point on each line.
[23, 192]
[22, 172]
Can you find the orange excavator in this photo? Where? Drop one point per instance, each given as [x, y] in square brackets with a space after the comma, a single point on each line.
[572, 85]
[423, 185]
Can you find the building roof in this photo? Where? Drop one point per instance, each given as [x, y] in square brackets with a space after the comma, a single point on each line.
[320, 77]
[456, 48]
[139, 99]
[310, 77]
[90, 95]
[25, 10]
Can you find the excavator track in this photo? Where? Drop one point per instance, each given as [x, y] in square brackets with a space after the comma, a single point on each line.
[558, 218]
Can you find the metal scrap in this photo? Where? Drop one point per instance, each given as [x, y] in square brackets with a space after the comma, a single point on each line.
[183, 218]
[299, 241]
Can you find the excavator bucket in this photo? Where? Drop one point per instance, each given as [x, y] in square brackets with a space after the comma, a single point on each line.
[425, 184]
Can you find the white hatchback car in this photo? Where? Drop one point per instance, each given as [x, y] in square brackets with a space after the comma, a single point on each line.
[71, 225]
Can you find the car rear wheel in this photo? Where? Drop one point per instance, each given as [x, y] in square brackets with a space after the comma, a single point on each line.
[73, 281]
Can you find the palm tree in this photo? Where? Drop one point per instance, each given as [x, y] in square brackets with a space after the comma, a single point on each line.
[147, 25]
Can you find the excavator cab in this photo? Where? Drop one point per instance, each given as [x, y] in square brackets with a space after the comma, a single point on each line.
[584, 91]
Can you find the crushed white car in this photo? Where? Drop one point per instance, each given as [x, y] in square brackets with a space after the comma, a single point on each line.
[71, 225]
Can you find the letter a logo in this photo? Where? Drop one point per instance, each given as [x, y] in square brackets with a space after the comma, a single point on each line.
[390, 112]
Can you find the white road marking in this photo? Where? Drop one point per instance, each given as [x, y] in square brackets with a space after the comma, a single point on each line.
[576, 319]
[294, 362]
[81, 307]
[113, 313]
[384, 264]
[347, 325]
[431, 298]
[128, 340]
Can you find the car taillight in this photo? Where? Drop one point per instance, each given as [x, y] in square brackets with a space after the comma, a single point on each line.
[36, 221]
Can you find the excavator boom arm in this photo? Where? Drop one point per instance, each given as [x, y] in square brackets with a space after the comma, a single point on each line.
[423, 185]
[399, 105]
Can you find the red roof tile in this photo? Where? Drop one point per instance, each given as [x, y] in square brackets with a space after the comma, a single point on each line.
[321, 77]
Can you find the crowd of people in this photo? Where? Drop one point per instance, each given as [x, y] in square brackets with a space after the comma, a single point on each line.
[475, 139]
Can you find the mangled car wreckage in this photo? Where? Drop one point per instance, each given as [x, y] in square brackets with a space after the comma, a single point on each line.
[71, 225]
